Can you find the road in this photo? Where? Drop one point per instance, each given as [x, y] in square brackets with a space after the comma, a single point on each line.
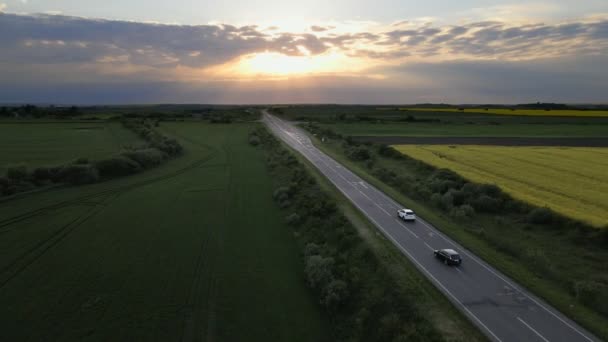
[502, 310]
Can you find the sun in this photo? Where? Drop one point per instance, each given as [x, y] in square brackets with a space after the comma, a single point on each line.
[280, 65]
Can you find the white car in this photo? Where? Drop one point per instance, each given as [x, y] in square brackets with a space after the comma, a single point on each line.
[406, 214]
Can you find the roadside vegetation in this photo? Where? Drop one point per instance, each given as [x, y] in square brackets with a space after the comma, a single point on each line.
[559, 258]
[358, 285]
[569, 181]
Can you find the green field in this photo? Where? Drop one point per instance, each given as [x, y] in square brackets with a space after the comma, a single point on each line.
[469, 130]
[38, 144]
[518, 112]
[193, 250]
[571, 181]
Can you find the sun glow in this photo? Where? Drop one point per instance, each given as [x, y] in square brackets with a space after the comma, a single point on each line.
[276, 64]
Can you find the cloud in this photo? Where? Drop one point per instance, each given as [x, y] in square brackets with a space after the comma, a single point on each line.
[49, 38]
[61, 39]
[61, 52]
[2, 7]
[316, 28]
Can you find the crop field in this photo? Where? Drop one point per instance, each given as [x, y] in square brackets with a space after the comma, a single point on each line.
[470, 130]
[192, 250]
[518, 112]
[571, 181]
[38, 144]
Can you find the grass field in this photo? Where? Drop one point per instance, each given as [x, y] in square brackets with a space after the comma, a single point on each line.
[518, 112]
[571, 181]
[469, 130]
[38, 144]
[193, 250]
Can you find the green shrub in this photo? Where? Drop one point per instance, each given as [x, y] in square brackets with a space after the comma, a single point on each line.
[462, 212]
[147, 158]
[254, 140]
[311, 249]
[334, 294]
[17, 173]
[78, 174]
[485, 203]
[593, 294]
[293, 219]
[117, 167]
[81, 161]
[319, 271]
[359, 153]
[447, 201]
[42, 174]
[540, 216]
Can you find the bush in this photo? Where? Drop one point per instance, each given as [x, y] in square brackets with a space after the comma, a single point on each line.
[117, 167]
[358, 153]
[485, 203]
[318, 271]
[311, 249]
[17, 173]
[385, 175]
[293, 219]
[462, 212]
[147, 158]
[79, 174]
[334, 294]
[281, 193]
[81, 161]
[447, 201]
[593, 294]
[389, 152]
[42, 174]
[254, 140]
[540, 216]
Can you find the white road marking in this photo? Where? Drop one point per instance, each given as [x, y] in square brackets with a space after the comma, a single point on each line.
[429, 246]
[533, 330]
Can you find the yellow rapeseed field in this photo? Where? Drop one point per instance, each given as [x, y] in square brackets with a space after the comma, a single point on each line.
[519, 112]
[571, 181]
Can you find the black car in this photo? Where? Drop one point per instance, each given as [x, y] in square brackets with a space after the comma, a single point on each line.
[448, 256]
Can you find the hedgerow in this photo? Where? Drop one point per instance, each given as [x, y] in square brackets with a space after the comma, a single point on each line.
[157, 149]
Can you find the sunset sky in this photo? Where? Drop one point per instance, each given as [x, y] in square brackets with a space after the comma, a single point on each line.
[383, 51]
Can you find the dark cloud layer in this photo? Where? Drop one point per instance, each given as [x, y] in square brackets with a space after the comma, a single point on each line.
[482, 61]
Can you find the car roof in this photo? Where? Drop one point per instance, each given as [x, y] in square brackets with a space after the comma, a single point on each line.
[406, 209]
[450, 251]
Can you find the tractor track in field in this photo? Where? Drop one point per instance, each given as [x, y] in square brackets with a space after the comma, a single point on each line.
[30, 256]
[24, 260]
[79, 200]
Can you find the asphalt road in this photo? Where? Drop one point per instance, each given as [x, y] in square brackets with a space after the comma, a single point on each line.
[503, 310]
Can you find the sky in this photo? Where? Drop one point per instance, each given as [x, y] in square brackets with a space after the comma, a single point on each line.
[270, 51]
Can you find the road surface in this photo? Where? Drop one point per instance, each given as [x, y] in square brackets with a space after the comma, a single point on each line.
[503, 310]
